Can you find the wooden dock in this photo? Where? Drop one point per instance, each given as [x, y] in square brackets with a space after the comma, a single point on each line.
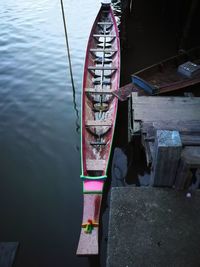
[7, 253]
[158, 120]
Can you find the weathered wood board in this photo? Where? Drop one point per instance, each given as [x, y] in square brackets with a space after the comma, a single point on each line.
[180, 114]
[167, 152]
[88, 242]
[147, 108]
[190, 158]
[7, 253]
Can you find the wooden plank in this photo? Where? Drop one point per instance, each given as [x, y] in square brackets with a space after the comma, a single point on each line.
[98, 123]
[189, 130]
[190, 158]
[95, 165]
[165, 108]
[183, 174]
[98, 91]
[186, 139]
[124, 92]
[7, 253]
[151, 147]
[167, 152]
[103, 50]
[171, 113]
[164, 100]
[88, 242]
[105, 23]
[183, 126]
[101, 68]
[190, 140]
[105, 36]
[191, 155]
[147, 150]
[145, 126]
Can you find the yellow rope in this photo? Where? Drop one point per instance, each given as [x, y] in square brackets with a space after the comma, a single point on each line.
[88, 227]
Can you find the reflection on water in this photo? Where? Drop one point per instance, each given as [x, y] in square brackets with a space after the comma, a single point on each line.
[40, 189]
[70, 67]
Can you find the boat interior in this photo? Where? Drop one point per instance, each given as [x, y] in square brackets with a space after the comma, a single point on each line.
[100, 79]
[166, 72]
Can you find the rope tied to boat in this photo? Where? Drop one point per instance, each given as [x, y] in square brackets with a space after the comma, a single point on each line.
[89, 226]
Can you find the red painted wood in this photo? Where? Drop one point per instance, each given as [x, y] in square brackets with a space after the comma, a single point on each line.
[95, 127]
[88, 151]
[88, 243]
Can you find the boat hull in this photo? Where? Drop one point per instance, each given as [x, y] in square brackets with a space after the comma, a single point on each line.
[99, 109]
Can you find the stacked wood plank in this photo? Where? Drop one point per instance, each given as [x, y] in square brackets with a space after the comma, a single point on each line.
[164, 115]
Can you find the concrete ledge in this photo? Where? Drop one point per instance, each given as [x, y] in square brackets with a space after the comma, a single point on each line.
[153, 227]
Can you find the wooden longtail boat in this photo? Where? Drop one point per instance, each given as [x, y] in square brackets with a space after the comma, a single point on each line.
[166, 75]
[99, 108]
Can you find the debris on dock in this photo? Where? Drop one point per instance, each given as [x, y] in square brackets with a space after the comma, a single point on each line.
[154, 117]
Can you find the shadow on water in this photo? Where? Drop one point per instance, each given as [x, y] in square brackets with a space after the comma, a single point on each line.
[70, 68]
[77, 121]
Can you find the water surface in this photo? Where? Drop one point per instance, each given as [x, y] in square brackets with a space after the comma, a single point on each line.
[40, 189]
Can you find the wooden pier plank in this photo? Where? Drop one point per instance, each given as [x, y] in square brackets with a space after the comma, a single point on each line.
[146, 108]
[181, 114]
[7, 253]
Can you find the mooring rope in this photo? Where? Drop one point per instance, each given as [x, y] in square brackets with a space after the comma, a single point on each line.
[70, 67]
[67, 44]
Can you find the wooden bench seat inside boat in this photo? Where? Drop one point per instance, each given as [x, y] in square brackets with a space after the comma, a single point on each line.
[98, 143]
[98, 91]
[101, 68]
[105, 23]
[102, 50]
[103, 35]
[95, 165]
[99, 123]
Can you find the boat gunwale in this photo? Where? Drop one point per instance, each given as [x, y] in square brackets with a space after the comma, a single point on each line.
[115, 104]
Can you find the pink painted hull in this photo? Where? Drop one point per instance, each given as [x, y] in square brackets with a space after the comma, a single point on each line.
[99, 109]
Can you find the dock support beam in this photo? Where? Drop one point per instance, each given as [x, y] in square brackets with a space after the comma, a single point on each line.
[167, 152]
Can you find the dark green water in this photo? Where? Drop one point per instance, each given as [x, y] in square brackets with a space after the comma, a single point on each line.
[40, 189]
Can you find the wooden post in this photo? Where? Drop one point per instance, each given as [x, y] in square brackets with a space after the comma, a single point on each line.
[183, 174]
[167, 152]
[190, 158]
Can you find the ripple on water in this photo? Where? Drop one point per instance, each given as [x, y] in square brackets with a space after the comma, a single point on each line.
[39, 139]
